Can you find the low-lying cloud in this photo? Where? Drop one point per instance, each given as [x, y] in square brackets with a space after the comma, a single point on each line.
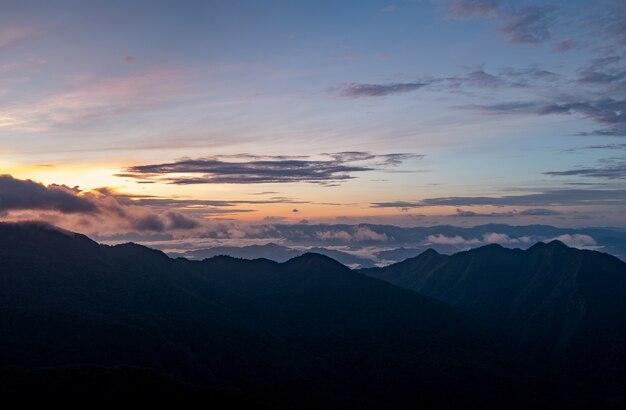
[100, 209]
[580, 241]
[17, 194]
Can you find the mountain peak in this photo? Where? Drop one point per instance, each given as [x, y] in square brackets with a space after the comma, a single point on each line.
[41, 232]
[556, 244]
[429, 252]
[492, 247]
[312, 256]
[553, 244]
[270, 245]
[311, 259]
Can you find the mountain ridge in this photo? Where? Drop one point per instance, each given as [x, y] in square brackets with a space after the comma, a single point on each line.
[558, 306]
[309, 332]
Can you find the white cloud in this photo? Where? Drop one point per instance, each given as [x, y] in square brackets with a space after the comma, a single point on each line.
[499, 238]
[441, 239]
[338, 235]
[363, 233]
[577, 241]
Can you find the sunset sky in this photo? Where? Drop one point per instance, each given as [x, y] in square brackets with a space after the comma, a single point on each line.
[152, 116]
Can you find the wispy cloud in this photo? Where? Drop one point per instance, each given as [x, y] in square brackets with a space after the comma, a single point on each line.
[528, 24]
[460, 213]
[606, 111]
[611, 147]
[475, 78]
[12, 34]
[558, 197]
[609, 169]
[355, 90]
[91, 98]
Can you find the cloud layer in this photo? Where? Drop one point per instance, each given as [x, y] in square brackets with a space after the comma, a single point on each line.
[99, 209]
[16, 194]
[562, 197]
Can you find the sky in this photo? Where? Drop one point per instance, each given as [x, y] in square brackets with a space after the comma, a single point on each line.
[144, 117]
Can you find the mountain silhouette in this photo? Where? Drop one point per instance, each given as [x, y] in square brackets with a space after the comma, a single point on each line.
[83, 318]
[563, 309]
[273, 252]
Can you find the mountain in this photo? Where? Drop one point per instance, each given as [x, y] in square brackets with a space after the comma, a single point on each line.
[83, 318]
[269, 251]
[275, 253]
[398, 254]
[561, 308]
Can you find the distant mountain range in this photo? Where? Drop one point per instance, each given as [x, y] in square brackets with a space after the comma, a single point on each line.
[83, 318]
[366, 245]
[273, 252]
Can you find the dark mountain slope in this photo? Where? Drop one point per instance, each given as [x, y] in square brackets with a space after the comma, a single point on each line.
[306, 333]
[563, 308]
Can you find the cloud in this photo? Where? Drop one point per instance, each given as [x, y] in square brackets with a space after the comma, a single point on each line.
[547, 198]
[499, 238]
[471, 214]
[101, 209]
[465, 9]
[441, 239]
[200, 203]
[379, 160]
[609, 170]
[577, 241]
[180, 221]
[607, 111]
[611, 23]
[12, 34]
[256, 170]
[215, 171]
[532, 72]
[529, 24]
[527, 212]
[333, 235]
[564, 45]
[149, 222]
[358, 233]
[600, 146]
[555, 197]
[89, 99]
[272, 219]
[16, 194]
[364, 233]
[398, 204]
[487, 238]
[397, 158]
[473, 78]
[600, 77]
[539, 212]
[378, 90]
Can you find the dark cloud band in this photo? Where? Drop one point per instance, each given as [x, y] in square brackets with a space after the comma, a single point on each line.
[16, 194]
[216, 170]
[562, 197]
